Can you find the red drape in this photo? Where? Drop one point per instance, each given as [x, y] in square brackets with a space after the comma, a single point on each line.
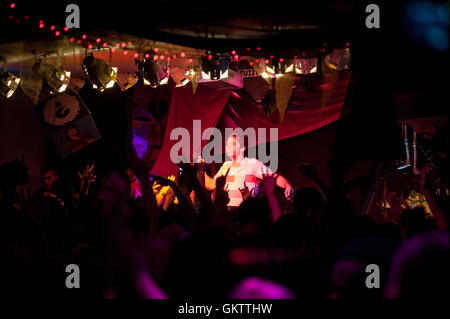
[308, 110]
[206, 105]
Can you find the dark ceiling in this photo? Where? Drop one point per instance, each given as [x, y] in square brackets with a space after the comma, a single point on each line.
[205, 24]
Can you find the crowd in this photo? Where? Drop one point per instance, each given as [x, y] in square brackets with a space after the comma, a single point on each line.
[136, 235]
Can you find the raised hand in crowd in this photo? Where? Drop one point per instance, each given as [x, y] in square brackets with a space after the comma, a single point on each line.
[86, 179]
[269, 182]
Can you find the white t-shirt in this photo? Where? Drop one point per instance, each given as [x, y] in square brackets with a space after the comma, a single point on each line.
[248, 170]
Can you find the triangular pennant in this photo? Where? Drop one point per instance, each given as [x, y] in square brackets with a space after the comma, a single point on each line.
[283, 92]
[31, 85]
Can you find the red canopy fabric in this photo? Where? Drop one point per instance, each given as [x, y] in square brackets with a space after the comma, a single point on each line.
[305, 112]
[206, 105]
[308, 110]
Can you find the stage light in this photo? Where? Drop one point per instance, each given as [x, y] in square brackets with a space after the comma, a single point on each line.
[215, 65]
[55, 77]
[275, 68]
[152, 71]
[8, 84]
[100, 74]
[303, 66]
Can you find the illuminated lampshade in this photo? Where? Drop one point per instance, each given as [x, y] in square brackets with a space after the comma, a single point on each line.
[153, 73]
[275, 69]
[100, 74]
[8, 84]
[303, 66]
[215, 65]
[55, 77]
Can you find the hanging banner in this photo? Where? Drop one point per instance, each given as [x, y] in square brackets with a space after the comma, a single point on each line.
[68, 122]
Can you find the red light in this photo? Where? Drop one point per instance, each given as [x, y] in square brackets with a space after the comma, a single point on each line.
[98, 40]
[281, 60]
[129, 42]
[168, 59]
[41, 26]
[347, 44]
[40, 21]
[72, 39]
[156, 50]
[295, 57]
[113, 50]
[257, 60]
[13, 5]
[174, 56]
[267, 61]
[258, 48]
[105, 44]
[271, 56]
[167, 52]
[90, 46]
[248, 49]
[204, 54]
[125, 52]
[236, 57]
[84, 36]
[147, 55]
[57, 33]
[182, 54]
[161, 57]
[233, 52]
[124, 44]
[324, 44]
[10, 17]
[190, 60]
[117, 45]
[155, 57]
[251, 63]
[79, 41]
[52, 27]
[210, 57]
[26, 17]
[136, 55]
[66, 28]
[218, 63]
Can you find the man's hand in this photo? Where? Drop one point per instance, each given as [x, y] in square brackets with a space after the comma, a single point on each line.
[245, 192]
[86, 178]
[289, 192]
[221, 181]
[269, 182]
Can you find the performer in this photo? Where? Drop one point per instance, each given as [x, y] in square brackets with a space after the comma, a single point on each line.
[242, 172]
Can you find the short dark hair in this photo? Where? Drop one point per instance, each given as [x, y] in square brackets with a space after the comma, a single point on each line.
[47, 168]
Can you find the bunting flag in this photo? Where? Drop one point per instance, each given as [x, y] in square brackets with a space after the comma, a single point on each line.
[31, 85]
[194, 81]
[283, 92]
[337, 60]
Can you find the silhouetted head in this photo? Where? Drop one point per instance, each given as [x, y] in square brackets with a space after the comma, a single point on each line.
[420, 268]
[254, 211]
[307, 200]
